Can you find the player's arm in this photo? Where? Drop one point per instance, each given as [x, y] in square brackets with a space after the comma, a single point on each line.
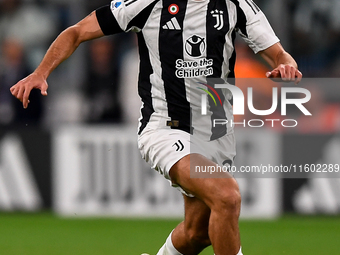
[62, 48]
[283, 63]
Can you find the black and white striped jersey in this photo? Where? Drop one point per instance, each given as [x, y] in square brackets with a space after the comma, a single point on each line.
[182, 43]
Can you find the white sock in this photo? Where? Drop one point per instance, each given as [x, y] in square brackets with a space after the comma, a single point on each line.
[239, 252]
[168, 248]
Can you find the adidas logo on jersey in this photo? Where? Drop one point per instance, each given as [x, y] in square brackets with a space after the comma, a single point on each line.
[172, 24]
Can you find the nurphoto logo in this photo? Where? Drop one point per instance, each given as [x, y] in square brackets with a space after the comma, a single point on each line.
[239, 102]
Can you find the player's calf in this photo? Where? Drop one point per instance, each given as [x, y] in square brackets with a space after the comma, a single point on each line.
[198, 239]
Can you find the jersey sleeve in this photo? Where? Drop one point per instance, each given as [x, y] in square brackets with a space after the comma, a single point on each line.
[124, 16]
[254, 27]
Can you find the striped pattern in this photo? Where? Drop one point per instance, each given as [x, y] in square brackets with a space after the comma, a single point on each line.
[182, 50]
[128, 2]
[253, 6]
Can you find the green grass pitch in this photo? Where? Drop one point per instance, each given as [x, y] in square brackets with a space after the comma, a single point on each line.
[44, 233]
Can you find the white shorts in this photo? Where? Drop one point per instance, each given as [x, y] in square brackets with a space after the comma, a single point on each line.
[163, 147]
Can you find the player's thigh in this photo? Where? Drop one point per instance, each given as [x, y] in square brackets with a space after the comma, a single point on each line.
[211, 191]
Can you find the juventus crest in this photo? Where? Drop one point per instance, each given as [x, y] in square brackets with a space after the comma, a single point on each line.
[218, 15]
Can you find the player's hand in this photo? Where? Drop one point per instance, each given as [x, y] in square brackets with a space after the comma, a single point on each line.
[286, 73]
[23, 88]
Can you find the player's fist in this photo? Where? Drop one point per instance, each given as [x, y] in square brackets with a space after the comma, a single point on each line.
[23, 88]
[286, 73]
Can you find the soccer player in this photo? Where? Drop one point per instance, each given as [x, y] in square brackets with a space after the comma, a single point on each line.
[182, 43]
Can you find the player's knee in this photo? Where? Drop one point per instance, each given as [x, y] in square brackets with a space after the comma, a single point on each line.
[229, 199]
[199, 239]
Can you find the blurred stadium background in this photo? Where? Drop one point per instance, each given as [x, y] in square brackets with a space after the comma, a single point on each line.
[71, 177]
